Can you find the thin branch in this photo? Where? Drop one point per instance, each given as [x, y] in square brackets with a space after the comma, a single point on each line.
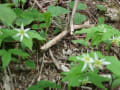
[72, 17]
[54, 60]
[61, 35]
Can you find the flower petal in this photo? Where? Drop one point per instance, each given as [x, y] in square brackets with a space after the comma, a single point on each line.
[27, 29]
[17, 35]
[78, 58]
[85, 65]
[96, 57]
[17, 29]
[106, 63]
[21, 38]
[26, 35]
[22, 26]
[91, 67]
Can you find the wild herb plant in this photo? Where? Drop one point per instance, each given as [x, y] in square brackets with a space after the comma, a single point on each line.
[84, 68]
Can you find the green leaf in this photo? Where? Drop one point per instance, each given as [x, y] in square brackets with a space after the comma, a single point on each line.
[6, 58]
[79, 18]
[101, 7]
[96, 79]
[19, 53]
[6, 33]
[83, 42]
[35, 26]
[23, 1]
[16, 2]
[80, 5]
[34, 87]
[114, 66]
[30, 64]
[26, 17]
[99, 34]
[74, 76]
[43, 84]
[56, 31]
[101, 20]
[57, 11]
[28, 42]
[34, 34]
[2, 52]
[7, 15]
[116, 83]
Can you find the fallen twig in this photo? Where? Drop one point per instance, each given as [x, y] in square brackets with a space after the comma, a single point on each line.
[72, 17]
[54, 60]
[61, 35]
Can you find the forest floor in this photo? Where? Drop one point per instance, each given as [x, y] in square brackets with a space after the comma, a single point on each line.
[51, 62]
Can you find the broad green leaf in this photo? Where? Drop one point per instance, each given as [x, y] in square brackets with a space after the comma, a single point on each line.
[74, 76]
[83, 42]
[79, 18]
[116, 83]
[19, 53]
[16, 2]
[114, 66]
[26, 21]
[101, 20]
[34, 34]
[6, 33]
[6, 58]
[56, 31]
[34, 87]
[27, 17]
[96, 79]
[43, 84]
[2, 52]
[99, 34]
[101, 7]
[30, 64]
[80, 5]
[35, 26]
[28, 42]
[23, 1]
[7, 15]
[47, 18]
[57, 11]
[46, 84]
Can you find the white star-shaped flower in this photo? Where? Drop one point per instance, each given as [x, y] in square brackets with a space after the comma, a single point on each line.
[98, 63]
[22, 32]
[87, 61]
[115, 40]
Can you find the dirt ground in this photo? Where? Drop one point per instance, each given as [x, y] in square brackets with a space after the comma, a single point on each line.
[49, 63]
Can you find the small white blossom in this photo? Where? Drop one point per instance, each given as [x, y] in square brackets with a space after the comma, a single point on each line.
[115, 40]
[98, 63]
[22, 32]
[87, 61]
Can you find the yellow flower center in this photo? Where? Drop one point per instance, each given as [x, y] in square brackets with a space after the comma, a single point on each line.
[97, 63]
[87, 58]
[22, 32]
[115, 41]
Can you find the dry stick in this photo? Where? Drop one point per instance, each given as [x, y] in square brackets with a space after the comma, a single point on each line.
[54, 60]
[35, 1]
[41, 68]
[64, 33]
[55, 40]
[72, 17]
[60, 36]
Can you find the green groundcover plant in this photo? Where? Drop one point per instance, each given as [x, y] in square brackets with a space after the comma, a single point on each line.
[22, 26]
